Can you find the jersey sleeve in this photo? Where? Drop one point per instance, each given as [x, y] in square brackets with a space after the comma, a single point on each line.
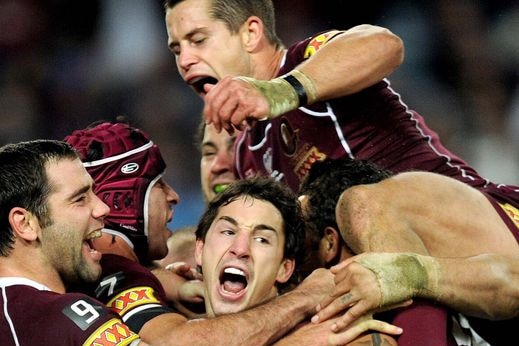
[302, 50]
[70, 319]
[132, 291]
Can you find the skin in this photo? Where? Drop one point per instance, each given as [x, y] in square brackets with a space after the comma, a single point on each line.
[183, 290]
[410, 226]
[248, 235]
[62, 244]
[59, 252]
[216, 164]
[204, 47]
[160, 212]
[249, 239]
[216, 172]
[193, 37]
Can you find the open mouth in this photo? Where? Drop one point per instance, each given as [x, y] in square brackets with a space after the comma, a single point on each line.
[198, 83]
[233, 280]
[90, 239]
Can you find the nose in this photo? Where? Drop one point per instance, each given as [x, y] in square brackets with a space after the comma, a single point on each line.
[101, 209]
[171, 195]
[186, 58]
[240, 246]
[222, 162]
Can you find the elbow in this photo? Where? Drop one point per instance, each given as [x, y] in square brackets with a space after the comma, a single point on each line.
[385, 45]
[393, 47]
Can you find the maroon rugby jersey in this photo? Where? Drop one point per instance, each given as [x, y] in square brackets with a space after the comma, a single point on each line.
[33, 315]
[424, 323]
[129, 289]
[373, 124]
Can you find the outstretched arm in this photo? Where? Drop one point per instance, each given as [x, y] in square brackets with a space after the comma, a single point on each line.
[258, 326]
[349, 62]
[485, 286]
[365, 331]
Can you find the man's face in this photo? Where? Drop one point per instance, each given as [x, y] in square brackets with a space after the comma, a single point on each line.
[242, 256]
[160, 212]
[205, 49]
[216, 164]
[76, 215]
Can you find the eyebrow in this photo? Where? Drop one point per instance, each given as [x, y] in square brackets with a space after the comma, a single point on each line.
[208, 144]
[256, 228]
[79, 191]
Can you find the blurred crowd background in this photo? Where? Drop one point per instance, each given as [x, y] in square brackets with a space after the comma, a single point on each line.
[65, 64]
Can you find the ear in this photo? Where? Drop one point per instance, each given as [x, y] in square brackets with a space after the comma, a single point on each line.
[285, 270]
[24, 224]
[199, 246]
[330, 244]
[252, 33]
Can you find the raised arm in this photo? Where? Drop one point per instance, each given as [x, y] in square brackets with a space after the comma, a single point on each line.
[349, 62]
[353, 61]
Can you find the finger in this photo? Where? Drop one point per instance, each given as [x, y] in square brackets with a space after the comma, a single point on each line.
[177, 267]
[340, 291]
[338, 305]
[360, 309]
[196, 274]
[354, 332]
[351, 315]
[209, 119]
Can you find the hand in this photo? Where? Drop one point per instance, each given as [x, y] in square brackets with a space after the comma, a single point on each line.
[184, 270]
[233, 103]
[318, 285]
[183, 287]
[357, 292]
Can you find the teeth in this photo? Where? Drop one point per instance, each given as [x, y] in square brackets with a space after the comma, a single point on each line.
[95, 234]
[234, 271]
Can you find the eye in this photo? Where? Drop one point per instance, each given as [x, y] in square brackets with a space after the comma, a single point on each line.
[80, 199]
[198, 39]
[261, 240]
[208, 153]
[227, 232]
[175, 49]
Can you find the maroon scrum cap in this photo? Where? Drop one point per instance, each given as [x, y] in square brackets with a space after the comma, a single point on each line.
[124, 164]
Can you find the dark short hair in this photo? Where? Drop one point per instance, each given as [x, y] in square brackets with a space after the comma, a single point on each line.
[326, 181]
[235, 12]
[269, 190]
[24, 182]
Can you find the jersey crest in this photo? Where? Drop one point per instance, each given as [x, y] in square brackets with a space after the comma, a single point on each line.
[306, 162]
[512, 212]
[318, 41]
[131, 298]
[112, 333]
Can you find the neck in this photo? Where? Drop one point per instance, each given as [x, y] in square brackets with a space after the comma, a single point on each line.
[270, 70]
[23, 264]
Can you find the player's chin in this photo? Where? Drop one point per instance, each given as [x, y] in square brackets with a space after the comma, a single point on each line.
[90, 272]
